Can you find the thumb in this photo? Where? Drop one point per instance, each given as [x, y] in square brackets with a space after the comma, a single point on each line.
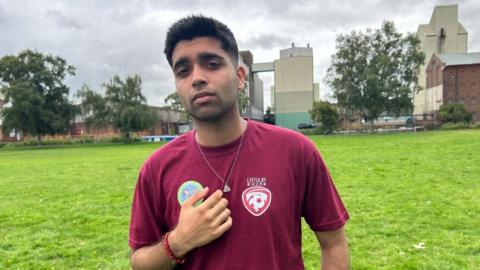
[195, 198]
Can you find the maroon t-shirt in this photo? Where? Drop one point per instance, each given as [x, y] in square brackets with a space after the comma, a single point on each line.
[278, 178]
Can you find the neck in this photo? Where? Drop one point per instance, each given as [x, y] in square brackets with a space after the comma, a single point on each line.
[220, 132]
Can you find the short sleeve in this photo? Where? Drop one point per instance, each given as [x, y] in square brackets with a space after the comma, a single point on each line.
[144, 227]
[322, 209]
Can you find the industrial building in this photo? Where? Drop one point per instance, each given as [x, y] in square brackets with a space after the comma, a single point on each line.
[293, 92]
[442, 35]
[293, 86]
[253, 88]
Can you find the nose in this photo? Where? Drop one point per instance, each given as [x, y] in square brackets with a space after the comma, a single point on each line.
[199, 79]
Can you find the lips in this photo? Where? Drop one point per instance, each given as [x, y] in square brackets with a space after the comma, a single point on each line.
[202, 97]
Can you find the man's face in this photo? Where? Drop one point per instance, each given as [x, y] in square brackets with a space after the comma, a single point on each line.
[206, 79]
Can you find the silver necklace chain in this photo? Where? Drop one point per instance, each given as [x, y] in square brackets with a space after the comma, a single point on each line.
[226, 187]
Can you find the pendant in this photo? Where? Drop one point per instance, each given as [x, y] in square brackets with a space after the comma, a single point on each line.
[226, 188]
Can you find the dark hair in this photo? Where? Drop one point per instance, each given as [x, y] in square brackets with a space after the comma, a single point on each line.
[196, 26]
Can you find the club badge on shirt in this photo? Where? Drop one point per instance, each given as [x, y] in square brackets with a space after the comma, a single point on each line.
[187, 189]
[256, 200]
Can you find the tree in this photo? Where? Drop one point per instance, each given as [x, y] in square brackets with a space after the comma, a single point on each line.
[243, 100]
[94, 108]
[174, 103]
[36, 97]
[454, 113]
[123, 106]
[375, 72]
[326, 114]
[269, 116]
[128, 106]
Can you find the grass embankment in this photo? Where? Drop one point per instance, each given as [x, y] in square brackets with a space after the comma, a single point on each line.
[69, 207]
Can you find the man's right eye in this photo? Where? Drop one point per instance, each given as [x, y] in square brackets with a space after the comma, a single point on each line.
[182, 72]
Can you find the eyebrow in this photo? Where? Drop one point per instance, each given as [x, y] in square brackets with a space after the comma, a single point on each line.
[208, 56]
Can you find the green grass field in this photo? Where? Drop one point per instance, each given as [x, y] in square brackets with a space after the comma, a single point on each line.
[69, 207]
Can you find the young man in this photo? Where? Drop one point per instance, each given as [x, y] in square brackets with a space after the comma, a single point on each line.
[231, 193]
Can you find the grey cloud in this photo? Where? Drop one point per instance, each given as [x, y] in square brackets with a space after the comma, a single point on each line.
[120, 43]
[468, 16]
[209, 6]
[2, 15]
[62, 20]
[317, 15]
[266, 41]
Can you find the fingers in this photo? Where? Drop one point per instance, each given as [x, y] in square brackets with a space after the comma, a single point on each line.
[224, 227]
[222, 217]
[219, 207]
[195, 197]
[212, 200]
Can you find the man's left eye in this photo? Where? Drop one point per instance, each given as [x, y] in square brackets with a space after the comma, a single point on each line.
[213, 65]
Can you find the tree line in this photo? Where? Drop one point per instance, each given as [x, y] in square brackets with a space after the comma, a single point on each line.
[37, 103]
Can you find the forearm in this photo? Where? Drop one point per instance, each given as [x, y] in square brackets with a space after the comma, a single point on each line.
[334, 248]
[156, 256]
[336, 257]
[151, 257]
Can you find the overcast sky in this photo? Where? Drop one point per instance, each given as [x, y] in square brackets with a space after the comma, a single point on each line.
[104, 38]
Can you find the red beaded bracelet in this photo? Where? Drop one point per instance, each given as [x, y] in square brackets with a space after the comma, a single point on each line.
[167, 248]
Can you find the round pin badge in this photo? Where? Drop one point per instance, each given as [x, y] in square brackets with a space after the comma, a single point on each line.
[187, 189]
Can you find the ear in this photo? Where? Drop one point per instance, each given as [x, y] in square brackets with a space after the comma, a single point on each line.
[241, 76]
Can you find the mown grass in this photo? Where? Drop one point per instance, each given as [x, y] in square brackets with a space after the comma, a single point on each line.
[69, 207]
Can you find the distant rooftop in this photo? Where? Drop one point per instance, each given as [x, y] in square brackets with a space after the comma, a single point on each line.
[296, 51]
[457, 59]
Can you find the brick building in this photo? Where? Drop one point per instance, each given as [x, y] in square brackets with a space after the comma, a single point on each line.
[168, 124]
[452, 78]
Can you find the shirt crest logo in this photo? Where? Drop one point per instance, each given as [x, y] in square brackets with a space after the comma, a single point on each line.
[257, 200]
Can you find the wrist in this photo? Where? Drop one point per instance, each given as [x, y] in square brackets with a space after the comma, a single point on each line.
[168, 250]
[178, 248]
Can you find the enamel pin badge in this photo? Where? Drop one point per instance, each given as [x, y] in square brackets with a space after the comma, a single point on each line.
[187, 189]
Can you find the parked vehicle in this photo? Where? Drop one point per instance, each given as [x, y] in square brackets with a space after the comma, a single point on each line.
[305, 125]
